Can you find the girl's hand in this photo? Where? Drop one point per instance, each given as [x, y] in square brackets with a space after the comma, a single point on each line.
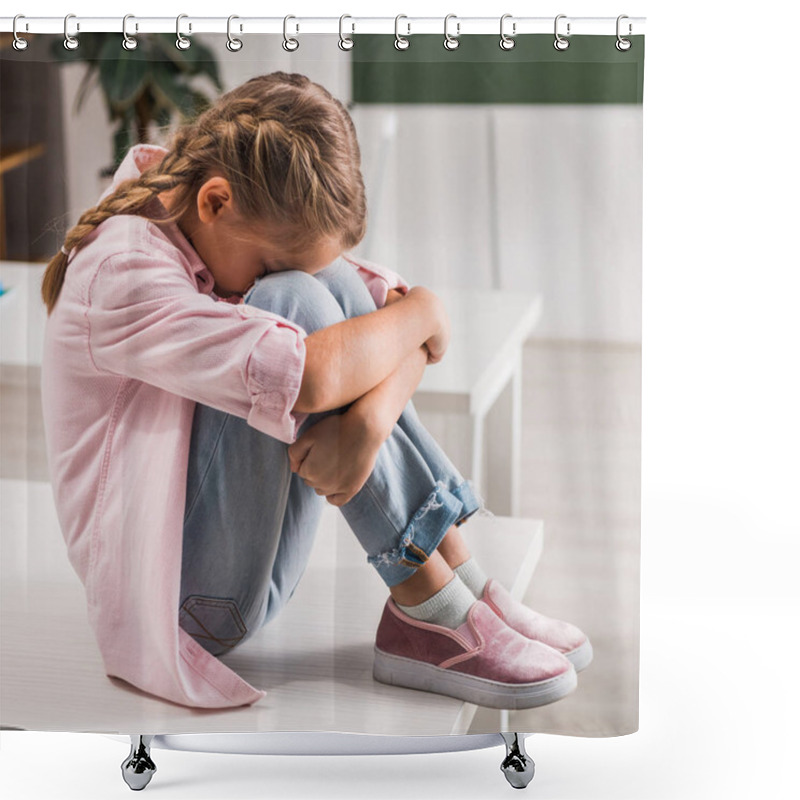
[436, 345]
[336, 456]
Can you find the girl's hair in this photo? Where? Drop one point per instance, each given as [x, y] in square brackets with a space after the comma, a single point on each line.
[288, 149]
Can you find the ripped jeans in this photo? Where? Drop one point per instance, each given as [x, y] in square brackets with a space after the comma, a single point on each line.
[250, 522]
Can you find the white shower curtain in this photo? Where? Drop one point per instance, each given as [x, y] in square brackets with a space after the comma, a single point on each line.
[508, 182]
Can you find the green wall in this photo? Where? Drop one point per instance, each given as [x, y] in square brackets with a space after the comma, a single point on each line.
[590, 70]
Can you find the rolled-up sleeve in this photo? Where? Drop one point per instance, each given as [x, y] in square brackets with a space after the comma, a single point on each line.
[147, 321]
[377, 278]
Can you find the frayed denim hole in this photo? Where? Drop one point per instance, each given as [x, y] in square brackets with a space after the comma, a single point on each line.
[483, 511]
[434, 501]
[403, 552]
[394, 556]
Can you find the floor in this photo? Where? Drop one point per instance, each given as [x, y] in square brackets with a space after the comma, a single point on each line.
[581, 474]
[581, 454]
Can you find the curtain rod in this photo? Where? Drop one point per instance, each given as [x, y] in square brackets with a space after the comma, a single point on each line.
[299, 26]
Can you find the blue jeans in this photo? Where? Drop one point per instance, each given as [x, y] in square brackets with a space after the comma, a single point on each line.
[250, 522]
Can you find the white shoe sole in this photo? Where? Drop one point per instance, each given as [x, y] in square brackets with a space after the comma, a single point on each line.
[581, 656]
[412, 674]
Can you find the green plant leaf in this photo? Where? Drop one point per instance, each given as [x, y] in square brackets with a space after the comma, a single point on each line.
[199, 104]
[203, 62]
[85, 53]
[163, 116]
[123, 139]
[92, 43]
[86, 83]
[165, 50]
[197, 59]
[60, 53]
[90, 46]
[151, 82]
[164, 45]
[123, 74]
[169, 89]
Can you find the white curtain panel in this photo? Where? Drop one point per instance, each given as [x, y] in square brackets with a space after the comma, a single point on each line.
[352, 445]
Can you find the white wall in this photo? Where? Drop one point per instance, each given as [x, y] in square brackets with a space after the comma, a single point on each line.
[539, 198]
[535, 198]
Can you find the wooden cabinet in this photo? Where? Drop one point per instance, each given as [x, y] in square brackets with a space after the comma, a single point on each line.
[10, 158]
[32, 190]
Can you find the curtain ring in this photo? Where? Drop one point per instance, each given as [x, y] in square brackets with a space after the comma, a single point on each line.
[507, 42]
[70, 42]
[623, 44]
[182, 43]
[128, 42]
[289, 44]
[233, 44]
[345, 43]
[19, 42]
[400, 42]
[451, 42]
[560, 42]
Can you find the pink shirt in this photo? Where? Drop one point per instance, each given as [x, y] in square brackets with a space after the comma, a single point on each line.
[136, 338]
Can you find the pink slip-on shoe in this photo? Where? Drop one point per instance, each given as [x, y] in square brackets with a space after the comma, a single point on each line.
[482, 661]
[561, 636]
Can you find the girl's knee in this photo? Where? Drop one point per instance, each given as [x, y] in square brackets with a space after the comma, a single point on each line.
[344, 283]
[297, 296]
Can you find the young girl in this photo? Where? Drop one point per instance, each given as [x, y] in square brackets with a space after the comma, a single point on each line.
[217, 366]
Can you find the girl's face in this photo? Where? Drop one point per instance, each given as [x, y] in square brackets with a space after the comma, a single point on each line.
[236, 253]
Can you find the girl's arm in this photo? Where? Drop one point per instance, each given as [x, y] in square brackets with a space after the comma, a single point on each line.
[336, 455]
[347, 360]
[381, 407]
[142, 318]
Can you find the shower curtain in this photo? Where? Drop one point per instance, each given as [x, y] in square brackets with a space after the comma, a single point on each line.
[505, 179]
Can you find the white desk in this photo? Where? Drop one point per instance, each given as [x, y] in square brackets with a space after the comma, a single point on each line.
[22, 313]
[488, 329]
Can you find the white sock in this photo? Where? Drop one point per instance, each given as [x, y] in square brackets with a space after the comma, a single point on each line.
[472, 575]
[448, 607]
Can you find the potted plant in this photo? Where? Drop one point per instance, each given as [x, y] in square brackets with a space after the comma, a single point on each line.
[141, 86]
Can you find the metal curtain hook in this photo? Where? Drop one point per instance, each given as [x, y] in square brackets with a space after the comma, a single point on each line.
[70, 42]
[19, 42]
[233, 44]
[560, 42]
[400, 42]
[345, 43]
[182, 43]
[451, 42]
[623, 44]
[128, 42]
[506, 41]
[290, 44]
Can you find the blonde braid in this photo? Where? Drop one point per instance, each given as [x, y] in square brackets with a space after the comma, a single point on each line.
[130, 197]
[287, 147]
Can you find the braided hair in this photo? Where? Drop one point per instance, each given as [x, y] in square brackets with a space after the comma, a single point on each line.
[287, 147]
